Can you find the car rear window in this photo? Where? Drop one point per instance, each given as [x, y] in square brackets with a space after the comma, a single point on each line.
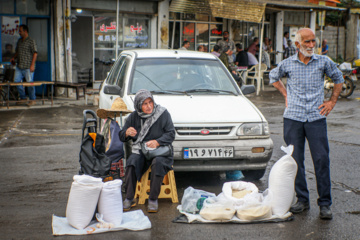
[180, 75]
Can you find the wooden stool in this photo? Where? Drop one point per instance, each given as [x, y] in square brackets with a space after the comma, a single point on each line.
[168, 188]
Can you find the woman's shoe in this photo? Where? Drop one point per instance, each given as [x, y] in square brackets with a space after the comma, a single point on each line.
[153, 206]
[127, 204]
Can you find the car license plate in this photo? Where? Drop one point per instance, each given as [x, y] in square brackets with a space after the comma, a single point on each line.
[224, 152]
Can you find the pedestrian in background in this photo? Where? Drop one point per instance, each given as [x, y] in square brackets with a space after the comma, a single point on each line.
[324, 47]
[226, 42]
[241, 56]
[25, 58]
[290, 50]
[201, 48]
[185, 45]
[216, 51]
[252, 47]
[230, 66]
[305, 115]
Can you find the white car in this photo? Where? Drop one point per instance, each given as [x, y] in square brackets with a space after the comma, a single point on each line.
[217, 127]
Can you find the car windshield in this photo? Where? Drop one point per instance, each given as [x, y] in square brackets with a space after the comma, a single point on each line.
[181, 76]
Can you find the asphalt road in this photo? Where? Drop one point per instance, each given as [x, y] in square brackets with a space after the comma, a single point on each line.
[39, 149]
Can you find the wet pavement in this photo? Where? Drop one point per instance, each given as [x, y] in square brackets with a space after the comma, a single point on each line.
[39, 149]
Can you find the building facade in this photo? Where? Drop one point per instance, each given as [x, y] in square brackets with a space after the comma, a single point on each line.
[78, 40]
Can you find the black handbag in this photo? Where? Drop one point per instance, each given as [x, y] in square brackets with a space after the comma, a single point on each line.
[161, 151]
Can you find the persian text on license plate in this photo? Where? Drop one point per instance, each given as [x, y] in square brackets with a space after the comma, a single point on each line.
[224, 152]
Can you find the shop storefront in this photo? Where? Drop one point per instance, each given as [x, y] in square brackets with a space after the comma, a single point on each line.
[36, 15]
[198, 29]
[108, 32]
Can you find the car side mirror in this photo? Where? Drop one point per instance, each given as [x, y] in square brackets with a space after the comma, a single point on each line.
[112, 89]
[248, 89]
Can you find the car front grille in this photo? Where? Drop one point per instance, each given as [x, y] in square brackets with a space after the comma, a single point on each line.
[203, 131]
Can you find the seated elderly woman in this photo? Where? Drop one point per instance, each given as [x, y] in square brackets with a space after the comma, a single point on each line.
[150, 124]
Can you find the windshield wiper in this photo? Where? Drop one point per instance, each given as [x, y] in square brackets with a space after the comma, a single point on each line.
[148, 79]
[211, 90]
[169, 91]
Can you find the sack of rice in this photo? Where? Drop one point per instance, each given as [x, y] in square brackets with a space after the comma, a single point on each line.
[82, 201]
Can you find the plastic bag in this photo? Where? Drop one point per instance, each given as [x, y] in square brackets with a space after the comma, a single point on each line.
[282, 182]
[217, 209]
[193, 198]
[110, 202]
[236, 192]
[82, 201]
[256, 207]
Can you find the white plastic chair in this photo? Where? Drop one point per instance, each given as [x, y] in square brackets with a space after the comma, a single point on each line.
[259, 80]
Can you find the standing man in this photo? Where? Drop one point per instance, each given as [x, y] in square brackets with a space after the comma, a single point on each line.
[286, 37]
[305, 115]
[226, 42]
[25, 57]
[185, 46]
[324, 47]
[290, 50]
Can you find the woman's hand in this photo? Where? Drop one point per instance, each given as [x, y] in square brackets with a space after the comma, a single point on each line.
[152, 144]
[131, 132]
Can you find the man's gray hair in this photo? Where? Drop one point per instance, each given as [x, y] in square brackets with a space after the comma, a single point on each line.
[298, 37]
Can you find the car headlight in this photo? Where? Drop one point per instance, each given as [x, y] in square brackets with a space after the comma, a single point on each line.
[253, 129]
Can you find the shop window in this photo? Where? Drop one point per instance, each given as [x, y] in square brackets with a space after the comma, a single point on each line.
[202, 35]
[105, 32]
[103, 63]
[9, 36]
[33, 7]
[174, 44]
[215, 34]
[7, 7]
[189, 34]
[136, 33]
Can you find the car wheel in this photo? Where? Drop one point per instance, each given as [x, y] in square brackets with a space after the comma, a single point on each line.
[252, 175]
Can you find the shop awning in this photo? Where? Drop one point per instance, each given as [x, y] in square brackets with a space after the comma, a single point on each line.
[230, 9]
[355, 10]
[291, 5]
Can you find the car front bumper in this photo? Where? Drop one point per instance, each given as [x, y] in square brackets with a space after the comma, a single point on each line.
[244, 158]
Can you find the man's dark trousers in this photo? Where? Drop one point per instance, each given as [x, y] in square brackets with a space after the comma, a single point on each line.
[315, 132]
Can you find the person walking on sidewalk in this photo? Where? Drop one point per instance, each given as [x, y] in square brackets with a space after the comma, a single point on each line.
[305, 115]
[25, 57]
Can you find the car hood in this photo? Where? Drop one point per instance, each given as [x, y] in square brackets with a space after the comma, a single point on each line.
[209, 108]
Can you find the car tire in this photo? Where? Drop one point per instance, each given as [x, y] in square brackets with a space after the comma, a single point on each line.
[253, 175]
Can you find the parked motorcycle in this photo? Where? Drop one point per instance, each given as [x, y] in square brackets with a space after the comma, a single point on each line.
[349, 75]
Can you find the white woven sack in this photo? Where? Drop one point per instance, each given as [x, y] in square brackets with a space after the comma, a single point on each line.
[228, 187]
[110, 202]
[82, 201]
[282, 182]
